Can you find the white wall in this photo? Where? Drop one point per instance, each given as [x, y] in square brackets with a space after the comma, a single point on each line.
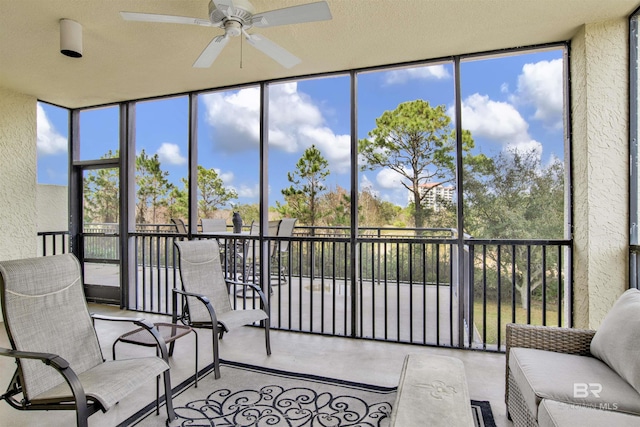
[52, 213]
[599, 79]
[17, 175]
[52, 207]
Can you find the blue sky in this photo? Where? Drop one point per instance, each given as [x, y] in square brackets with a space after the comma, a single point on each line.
[509, 101]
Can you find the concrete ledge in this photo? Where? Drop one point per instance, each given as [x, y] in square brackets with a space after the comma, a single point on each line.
[432, 392]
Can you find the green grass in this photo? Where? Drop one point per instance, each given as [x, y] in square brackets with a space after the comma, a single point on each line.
[506, 317]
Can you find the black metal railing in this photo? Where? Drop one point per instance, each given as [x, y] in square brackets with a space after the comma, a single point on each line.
[411, 287]
[53, 242]
[525, 281]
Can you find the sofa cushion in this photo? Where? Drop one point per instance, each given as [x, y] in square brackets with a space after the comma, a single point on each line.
[617, 340]
[569, 378]
[558, 414]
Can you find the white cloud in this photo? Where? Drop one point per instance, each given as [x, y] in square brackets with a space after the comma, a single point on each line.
[387, 185]
[496, 120]
[235, 118]
[525, 147]
[432, 72]
[335, 148]
[541, 84]
[295, 123]
[49, 141]
[367, 185]
[170, 153]
[248, 192]
[389, 179]
[226, 177]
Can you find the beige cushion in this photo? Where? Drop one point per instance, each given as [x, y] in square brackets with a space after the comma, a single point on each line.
[549, 375]
[557, 414]
[617, 341]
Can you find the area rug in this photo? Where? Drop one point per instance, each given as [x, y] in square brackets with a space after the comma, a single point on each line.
[247, 395]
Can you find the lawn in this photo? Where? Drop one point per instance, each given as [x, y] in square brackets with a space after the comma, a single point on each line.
[506, 317]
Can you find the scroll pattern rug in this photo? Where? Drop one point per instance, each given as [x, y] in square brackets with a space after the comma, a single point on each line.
[247, 395]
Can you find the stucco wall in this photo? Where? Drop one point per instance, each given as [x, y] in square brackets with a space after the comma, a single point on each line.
[52, 213]
[52, 207]
[600, 155]
[17, 175]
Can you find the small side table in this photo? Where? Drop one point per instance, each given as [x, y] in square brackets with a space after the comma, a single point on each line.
[168, 331]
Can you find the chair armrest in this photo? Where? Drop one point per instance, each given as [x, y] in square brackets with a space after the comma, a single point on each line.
[59, 363]
[251, 285]
[256, 288]
[203, 299]
[560, 340]
[137, 320]
[549, 338]
[47, 358]
[200, 297]
[144, 323]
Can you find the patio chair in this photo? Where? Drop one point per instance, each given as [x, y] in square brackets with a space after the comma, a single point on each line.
[253, 253]
[250, 249]
[206, 292]
[181, 228]
[52, 336]
[281, 247]
[213, 225]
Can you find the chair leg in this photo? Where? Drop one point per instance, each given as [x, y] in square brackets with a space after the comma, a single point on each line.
[168, 393]
[216, 361]
[266, 335]
[196, 357]
[158, 395]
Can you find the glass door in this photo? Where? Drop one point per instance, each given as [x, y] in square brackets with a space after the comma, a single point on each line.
[101, 234]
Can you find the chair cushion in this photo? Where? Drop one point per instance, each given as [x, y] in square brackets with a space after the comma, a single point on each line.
[111, 381]
[566, 378]
[617, 341]
[557, 414]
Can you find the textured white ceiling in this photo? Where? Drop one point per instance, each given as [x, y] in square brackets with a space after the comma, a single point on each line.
[131, 60]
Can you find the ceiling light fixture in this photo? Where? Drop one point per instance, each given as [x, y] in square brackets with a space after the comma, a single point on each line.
[70, 38]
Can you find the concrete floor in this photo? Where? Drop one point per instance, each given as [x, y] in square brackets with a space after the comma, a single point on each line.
[348, 359]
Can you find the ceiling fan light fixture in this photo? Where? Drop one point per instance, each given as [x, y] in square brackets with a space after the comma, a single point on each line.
[233, 28]
[70, 38]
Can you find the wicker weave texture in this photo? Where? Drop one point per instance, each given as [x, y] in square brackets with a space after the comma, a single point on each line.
[517, 407]
[561, 340]
[550, 338]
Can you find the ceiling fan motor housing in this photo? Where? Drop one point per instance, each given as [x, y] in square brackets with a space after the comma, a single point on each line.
[241, 12]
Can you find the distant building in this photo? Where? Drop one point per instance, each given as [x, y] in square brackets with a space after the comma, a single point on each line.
[437, 195]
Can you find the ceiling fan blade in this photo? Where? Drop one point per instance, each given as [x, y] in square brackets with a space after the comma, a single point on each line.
[168, 19]
[273, 50]
[318, 11]
[211, 52]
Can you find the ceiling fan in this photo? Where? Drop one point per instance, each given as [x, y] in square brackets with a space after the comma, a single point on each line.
[236, 17]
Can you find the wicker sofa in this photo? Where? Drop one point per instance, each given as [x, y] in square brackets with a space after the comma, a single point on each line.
[576, 377]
